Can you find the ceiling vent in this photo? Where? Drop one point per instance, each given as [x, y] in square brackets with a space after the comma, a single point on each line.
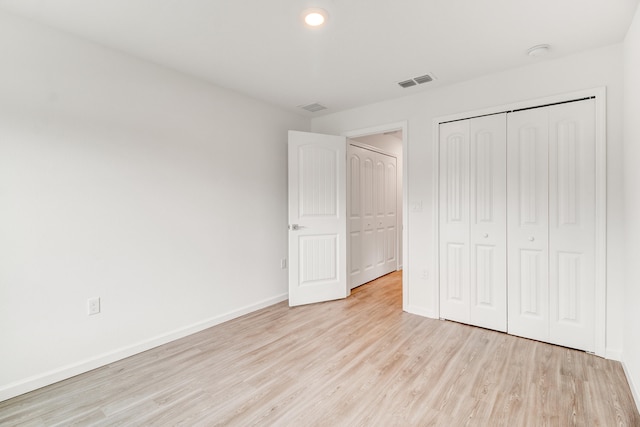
[423, 79]
[417, 81]
[407, 83]
[313, 107]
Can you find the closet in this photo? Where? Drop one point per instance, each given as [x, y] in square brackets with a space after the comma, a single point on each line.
[517, 222]
[372, 219]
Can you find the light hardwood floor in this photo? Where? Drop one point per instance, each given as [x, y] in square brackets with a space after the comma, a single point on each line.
[356, 362]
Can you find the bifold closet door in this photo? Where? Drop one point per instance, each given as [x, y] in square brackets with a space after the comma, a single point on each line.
[389, 218]
[551, 224]
[372, 216]
[360, 183]
[454, 221]
[527, 223]
[488, 195]
[472, 221]
[572, 222]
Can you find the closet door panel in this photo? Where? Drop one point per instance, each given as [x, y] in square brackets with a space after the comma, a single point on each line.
[354, 213]
[391, 216]
[527, 223]
[488, 263]
[368, 227]
[380, 211]
[572, 224]
[454, 221]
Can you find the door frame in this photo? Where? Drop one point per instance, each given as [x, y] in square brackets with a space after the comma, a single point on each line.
[600, 95]
[390, 127]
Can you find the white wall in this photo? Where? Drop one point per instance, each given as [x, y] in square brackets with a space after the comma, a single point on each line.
[601, 67]
[161, 194]
[631, 355]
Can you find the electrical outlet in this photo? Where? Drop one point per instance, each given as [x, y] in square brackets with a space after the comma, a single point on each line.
[93, 306]
[283, 263]
[424, 274]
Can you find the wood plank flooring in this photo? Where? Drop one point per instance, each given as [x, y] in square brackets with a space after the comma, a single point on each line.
[355, 362]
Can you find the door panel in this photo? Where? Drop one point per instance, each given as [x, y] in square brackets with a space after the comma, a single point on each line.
[379, 195]
[355, 214]
[527, 223]
[362, 223]
[368, 230]
[391, 214]
[454, 221]
[317, 218]
[488, 278]
[572, 224]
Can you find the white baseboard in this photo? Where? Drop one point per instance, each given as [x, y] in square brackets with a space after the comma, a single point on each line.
[635, 391]
[613, 354]
[37, 381]
[420, 311]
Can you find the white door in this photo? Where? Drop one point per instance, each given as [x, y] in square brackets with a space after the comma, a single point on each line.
[472, 221]
[527, 223]
[372, 214]
[317, 218]
[551, 210]
[488, 218]
[390, 217]
[454, 221]
[572, 219]
[362, 235]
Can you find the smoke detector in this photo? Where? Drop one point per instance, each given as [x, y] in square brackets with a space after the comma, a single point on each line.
[538, 50]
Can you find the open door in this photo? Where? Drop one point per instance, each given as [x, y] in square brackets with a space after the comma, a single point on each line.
[317, 218]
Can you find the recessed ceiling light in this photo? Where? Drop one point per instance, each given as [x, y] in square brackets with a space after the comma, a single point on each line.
[539, 50]
[315, 17]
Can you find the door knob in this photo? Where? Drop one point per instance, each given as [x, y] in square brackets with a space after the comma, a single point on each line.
[485, 235]
[531, 239]
[294, 227]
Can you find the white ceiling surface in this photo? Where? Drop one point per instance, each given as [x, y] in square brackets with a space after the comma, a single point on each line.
[262, 49]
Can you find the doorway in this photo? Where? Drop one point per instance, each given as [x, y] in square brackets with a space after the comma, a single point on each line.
[374, 206]
[318, 237]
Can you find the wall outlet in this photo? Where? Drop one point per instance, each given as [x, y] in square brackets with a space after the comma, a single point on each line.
[283, 263]
[93, 306]
[424, 274]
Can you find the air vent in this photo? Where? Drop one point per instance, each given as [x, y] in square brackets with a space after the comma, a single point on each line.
[423, 79]
[407, 83]
[313, 107]
[417, 81]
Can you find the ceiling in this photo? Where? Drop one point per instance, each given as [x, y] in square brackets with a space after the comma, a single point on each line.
[262, 49]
